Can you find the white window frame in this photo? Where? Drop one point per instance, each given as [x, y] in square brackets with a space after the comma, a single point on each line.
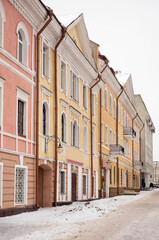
[74, 86]
[2, 21]
[76, 143]
[46, 74]
[85, 96]
[24, 97]
[65, 127]
[47, 118]
[1, 184]
[63, 72]
[85, 195]
[25, 36]
[110, 136]
[26, 185]
[63, 194]
[85, 138]
[106, 99]
[1, 103]
[114, 108]
[106, 135]
[110, 104]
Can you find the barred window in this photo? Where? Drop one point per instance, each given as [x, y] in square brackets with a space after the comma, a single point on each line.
[20, 185]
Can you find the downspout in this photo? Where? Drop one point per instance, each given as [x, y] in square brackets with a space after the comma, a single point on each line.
[140, 150]
[92, 128]
[117, 100]
[50, 14]
[64, 30]
[133, 151]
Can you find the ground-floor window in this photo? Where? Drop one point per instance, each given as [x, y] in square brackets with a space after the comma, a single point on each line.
[1, 181]
[20, 185]
[62, 183]
[84, 185]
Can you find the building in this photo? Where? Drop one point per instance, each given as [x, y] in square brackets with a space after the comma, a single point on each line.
[156, 172]
[146, 142]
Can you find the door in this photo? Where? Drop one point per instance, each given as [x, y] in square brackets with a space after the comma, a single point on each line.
[73, 187]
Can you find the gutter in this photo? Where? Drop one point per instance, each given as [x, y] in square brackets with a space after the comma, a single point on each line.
[106, 62]
[133, 151]
[117, 100]
[64, 30]
[50, 14]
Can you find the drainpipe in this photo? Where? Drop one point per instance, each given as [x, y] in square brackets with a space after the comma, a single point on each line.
[92, 127]
[50, 14]
[140, 150]
[133, 150]
[64, 30]
[117, 100]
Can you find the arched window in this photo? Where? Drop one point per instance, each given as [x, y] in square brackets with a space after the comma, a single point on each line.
[85, 138]
[2, 21]
[63, 128]
[110, 104]
[74, 134]
[106, 100]
[23, 43]
[114, 109]
[45, 127]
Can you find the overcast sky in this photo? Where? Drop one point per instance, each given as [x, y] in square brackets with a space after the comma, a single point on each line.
[128, 34]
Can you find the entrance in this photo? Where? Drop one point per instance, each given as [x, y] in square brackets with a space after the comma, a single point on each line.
[73, 187]
[44, 186]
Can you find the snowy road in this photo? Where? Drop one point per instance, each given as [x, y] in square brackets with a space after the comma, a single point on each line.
[122, 217]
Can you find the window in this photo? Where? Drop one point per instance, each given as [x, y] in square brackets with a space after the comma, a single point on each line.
[2, 21]
[23, 43]
[110, 137]
[20, 185]
[45, 120]
[121, 177]
[22, 112]
[85, 138]
[118, 139]
[84, 184]
[114, 176]
[62, 182]
[106, 99]
[121, 116]
[114, 109]
[114, 138]
[106, 135]
[1, 183]
[126, 121]
[74, 85]
[93, 104]
[63, 76]
[84, 96]
[110, 174]
[102, 132]
[20, 117]
[1, 101]
[74, 134]
[45, 62]
[110, 104]
[63, 128]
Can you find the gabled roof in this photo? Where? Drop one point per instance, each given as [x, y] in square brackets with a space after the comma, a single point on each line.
[70, 22]
[125, 80]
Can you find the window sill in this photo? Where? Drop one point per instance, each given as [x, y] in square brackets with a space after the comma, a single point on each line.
[21, 135]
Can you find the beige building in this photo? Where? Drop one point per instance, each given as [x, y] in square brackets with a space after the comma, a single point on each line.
[156, 172]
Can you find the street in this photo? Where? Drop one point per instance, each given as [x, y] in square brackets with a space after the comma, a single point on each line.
[138, 220]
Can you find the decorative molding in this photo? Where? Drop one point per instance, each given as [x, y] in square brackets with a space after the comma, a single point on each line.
[76, 112]
[64, 104]
[46, 91]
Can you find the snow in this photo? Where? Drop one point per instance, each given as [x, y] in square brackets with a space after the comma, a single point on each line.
[60, 222]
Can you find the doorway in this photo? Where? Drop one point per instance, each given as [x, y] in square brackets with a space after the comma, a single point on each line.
[44, 186]
[74, 187]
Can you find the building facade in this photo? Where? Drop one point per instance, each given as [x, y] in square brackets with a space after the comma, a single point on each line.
[146, 143]
[156, 172]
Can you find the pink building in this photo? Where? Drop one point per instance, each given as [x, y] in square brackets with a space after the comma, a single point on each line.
[18, 28]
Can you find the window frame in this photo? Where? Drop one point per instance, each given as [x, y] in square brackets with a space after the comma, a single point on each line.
[106, 135]
[1, 184]
[85, 192]
[85, 138]
[2, 21]
[63, 128]
[110, 104]
[46, 71]
[1, 102]
[63, 72]
[25, 185]
[64, 186]
[106, 99]
[85, 96]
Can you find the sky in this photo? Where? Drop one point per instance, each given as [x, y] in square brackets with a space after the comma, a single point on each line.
[128, 34]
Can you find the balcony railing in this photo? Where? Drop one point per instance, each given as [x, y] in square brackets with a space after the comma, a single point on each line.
[129, 133]
[116, 150]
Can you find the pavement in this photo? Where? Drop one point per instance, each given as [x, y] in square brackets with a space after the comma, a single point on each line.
[139, 220]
